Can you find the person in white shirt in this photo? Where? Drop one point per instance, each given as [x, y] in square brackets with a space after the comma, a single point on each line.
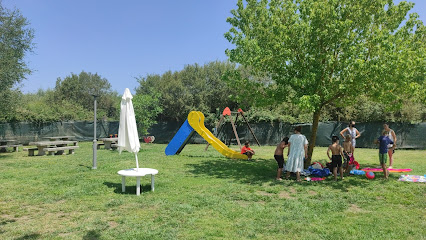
[351, 131]
[297, 153]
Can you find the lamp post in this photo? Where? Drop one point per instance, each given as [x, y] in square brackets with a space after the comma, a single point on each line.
[95, 142]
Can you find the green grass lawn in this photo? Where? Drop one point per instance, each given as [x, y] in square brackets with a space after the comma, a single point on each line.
[202, 195]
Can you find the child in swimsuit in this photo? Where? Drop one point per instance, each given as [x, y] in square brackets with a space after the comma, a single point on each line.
[279, 156]
[336, 158]
[348, 151]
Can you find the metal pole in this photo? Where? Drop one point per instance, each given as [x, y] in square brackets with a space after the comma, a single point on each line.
[95, 143]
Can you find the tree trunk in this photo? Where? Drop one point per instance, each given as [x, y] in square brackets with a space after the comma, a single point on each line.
[313, 138]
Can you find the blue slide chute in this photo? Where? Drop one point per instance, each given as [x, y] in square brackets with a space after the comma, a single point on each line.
[181, 138]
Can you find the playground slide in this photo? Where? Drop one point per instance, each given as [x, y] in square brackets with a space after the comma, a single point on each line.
[180, 139]
[196, 122]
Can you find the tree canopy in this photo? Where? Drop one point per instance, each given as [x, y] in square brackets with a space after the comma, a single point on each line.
[147, 108]
[195, 87]
[79, 89]
[15, 42]
[329, 51]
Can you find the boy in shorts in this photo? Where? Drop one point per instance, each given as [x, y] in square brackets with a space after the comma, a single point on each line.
[246, 150]
[336, 158]
[279, 156]
[348, 151]
[383, 142]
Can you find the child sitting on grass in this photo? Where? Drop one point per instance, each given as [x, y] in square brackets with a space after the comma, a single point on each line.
[348, 151]
[336, 158]
[246, 150]
[383, 142]
[279, 157]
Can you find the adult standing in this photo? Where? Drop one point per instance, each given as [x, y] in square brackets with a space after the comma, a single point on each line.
[391, 147]
[352, 131]
[297, 153]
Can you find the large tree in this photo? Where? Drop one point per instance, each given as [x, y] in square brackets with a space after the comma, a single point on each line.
[146, 108]
[78, 89]
[193, 88]
[15, 42]
[329, 51]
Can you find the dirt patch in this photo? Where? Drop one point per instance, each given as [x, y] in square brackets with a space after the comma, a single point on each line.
[112, 224]
[263, 193]
[379, 198]
[35, 209]
[55, 215]
[67, 235]
[22, 218]
[312, 193]
[285, 195]
[6, 216]
[243, 203]
[353, 208]
[291, 190]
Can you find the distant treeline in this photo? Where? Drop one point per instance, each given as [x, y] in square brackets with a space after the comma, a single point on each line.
[172, 95]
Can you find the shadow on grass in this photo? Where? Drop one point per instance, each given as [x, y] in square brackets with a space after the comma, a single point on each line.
[130, 188]
[261, 171]
[207, 155]
[88, 167]
[4, 222]
[29, 236]
[255, 172]
[92, 235]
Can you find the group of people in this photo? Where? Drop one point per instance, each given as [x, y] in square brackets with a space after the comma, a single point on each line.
[297, 152]
[297, 146]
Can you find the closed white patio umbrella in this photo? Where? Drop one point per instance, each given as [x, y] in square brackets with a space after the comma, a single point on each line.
[128, 138]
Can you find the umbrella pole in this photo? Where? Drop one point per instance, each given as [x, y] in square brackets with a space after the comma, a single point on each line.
[137, 162]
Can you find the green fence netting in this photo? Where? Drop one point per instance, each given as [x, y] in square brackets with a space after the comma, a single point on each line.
[410, 136]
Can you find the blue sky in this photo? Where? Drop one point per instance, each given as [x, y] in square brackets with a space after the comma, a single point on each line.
[121, 40]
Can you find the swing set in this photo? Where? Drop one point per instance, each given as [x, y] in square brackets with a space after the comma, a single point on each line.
[227, 112]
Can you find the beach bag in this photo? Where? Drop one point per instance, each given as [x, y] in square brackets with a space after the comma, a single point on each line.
[317, 165]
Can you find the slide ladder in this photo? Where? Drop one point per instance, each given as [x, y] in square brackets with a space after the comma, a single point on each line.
[195, 123]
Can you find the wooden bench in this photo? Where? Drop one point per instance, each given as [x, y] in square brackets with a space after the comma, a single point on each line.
[99, 145]
[52, 150]
[30, 150]
[15, 147]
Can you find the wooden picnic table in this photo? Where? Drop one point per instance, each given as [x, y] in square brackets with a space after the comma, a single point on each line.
[109, 142]
[56, 138]
[52, 147]
[5, 143]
